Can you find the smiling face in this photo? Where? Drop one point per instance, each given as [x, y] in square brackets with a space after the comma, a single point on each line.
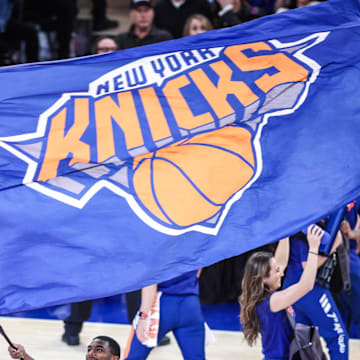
[273, 281]
[100, 350]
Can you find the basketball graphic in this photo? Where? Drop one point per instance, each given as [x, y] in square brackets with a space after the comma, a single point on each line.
[190, 181]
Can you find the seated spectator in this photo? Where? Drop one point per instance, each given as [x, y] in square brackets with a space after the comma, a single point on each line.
[104, 44]
[197, 24]
[234, 12]
[171, 15]
[13, 30]
[142, 31]
[293, 4]
[302, 3]
[264, 7]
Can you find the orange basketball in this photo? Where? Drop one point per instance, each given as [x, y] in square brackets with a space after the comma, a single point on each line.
[190, 181]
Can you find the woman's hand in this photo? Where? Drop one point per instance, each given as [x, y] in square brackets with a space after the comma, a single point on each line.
[314, 235]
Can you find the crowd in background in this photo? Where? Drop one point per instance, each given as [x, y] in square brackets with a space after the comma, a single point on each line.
[38, 30]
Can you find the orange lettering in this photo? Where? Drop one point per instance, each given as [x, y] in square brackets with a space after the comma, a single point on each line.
[124, 114]
[180, 108]
[155, 115]
[216, 95]
[59, 145]
[288, 70]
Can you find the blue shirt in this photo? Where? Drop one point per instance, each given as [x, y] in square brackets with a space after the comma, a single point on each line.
[185, 284]
[276, 331]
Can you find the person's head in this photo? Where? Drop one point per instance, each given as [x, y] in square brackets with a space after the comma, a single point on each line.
[196, 24]
[237, 4]
[105, 45]
[142, 14]
[261, 276]
[103, 348]
[302, 3]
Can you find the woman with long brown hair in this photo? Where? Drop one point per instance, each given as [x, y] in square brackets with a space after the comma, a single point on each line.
[262, 307]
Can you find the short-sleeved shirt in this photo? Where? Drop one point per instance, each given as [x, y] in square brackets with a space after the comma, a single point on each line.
[276, 331]
[185, 284]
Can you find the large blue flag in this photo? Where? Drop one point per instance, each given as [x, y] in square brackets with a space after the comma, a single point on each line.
[123, 170]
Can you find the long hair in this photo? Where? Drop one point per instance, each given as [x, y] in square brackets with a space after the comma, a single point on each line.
[254, 291]
[202, 18]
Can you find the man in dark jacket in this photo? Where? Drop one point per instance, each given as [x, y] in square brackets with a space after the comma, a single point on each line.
[142, 30]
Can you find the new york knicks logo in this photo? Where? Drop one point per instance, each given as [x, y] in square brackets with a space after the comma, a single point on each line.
[177, 135]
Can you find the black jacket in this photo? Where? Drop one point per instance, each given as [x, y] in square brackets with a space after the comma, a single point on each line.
[173, 19]
[129, 39]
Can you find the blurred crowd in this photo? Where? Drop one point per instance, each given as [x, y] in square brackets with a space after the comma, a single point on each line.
[39, 30]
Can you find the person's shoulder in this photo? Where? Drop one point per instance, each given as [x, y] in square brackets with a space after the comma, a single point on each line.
[122, 39]
[164, 34]
[122, 36]
[162, 4]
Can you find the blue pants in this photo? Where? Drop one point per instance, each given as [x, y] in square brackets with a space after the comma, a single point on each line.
[182, 315]
[353, 300]
[319, 308]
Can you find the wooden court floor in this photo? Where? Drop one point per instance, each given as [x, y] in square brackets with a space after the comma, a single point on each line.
[41, 339]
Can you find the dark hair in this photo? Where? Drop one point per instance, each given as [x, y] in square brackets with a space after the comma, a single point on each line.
[113, 344]
[98, 39]
[254, 291]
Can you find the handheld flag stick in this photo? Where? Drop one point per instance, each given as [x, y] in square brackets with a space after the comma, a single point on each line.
[7, 339]
[326, 271]
[333, 226]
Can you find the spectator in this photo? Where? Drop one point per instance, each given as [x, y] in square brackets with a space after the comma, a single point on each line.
[104, 345]
[171, 15]
[197, 24]
[142, 31]
[13, 30]
[283, 5]
[264, 7]
[302, 3]
[234, 12]
[263, 307]
[104, 44]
